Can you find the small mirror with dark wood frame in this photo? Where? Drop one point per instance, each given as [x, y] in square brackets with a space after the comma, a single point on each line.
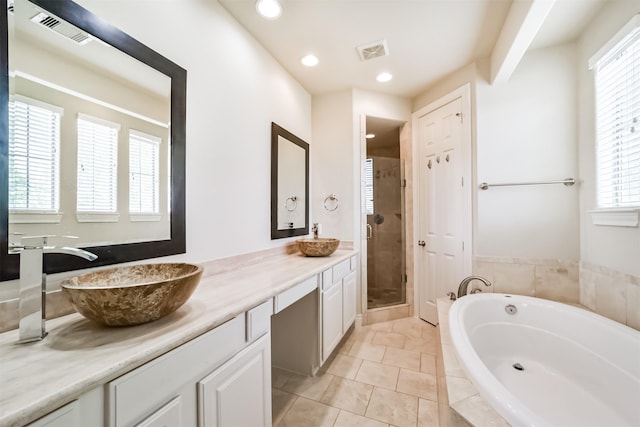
[289, 184]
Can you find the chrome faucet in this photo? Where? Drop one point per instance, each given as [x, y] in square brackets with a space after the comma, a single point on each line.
[33, 283]
[462, 288]
[315, 230]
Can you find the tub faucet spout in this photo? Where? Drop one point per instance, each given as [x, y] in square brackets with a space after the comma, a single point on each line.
[462, 288]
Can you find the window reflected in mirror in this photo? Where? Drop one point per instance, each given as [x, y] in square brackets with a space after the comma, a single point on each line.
[89, 135]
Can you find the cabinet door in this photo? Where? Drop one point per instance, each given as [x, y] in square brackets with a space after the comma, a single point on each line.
[348, 301]
[67, 416]
[239, 392]
[167, 416]
[331, 319]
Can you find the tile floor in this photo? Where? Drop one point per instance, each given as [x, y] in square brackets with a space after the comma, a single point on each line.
[381, 375]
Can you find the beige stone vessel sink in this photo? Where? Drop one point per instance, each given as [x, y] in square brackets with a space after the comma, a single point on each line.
[322, 246]
[125, 296]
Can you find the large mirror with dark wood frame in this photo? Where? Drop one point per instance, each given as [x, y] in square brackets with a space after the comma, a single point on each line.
[92, 138]
[289, 184]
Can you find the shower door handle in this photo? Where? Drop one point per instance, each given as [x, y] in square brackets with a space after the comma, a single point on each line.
[421, 243]
[369, 231]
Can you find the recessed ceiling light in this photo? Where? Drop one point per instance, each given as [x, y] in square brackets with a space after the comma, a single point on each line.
[384, 77]
[270, 9]
[370, 135]
[309, 60]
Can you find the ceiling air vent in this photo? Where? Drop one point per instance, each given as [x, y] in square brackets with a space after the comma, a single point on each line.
[373, 50]
[61, 27]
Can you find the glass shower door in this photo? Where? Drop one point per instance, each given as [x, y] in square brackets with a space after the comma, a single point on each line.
[386, 277]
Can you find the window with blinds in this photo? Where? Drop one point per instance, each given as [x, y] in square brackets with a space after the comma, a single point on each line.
[97, 165]
[617, 76]
[368, 186]
[144, 174]
[34, 141]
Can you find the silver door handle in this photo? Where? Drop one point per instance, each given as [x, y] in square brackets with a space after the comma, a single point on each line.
[421, 243]
[369, 231]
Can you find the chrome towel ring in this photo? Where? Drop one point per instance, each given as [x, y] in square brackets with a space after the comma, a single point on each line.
[291, 203]
[333, 201]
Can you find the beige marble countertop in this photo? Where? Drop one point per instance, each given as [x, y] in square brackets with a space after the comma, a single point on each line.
[79, 355]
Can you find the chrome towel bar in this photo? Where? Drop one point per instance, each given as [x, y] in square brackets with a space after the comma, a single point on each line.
[568, 182]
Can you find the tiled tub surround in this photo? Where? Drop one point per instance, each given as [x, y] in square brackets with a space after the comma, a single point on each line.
[607, 292]
[552, 279]
[79, 355]
[610, 293]
[467, 407]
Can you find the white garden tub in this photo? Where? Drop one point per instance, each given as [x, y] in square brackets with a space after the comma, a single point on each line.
[543, 363]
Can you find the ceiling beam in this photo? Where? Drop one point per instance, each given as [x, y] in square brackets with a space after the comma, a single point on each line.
[520, 28]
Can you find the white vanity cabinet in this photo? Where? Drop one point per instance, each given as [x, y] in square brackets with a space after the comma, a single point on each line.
[213, 380]
[220, 378]
[337, 304]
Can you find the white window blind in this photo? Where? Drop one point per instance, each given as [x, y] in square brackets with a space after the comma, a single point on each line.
[97, 165]
[618, 123]
[368, 186]
[144, 174]
[34, 141]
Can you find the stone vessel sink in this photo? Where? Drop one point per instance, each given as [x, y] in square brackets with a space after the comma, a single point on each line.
[321, 246]
[124, 296]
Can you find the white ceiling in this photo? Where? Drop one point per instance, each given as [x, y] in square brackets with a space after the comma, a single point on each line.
[427, 39]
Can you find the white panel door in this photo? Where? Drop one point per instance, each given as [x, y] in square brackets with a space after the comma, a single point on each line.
[441, 203]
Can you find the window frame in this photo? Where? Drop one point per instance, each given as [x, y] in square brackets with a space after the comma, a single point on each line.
[369, 186]
[147, 138]
[624, 216]
[96, 215]
[40, 215]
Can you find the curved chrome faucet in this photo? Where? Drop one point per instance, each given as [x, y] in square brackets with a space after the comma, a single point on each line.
[33, 284]
[69, 250]
[462, 288]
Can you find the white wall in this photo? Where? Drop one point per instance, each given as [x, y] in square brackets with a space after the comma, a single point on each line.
[235, 89]
[616, 248]
[527, 131]
[336, 157]
[522, 130]
[331, 158]
[336, 154]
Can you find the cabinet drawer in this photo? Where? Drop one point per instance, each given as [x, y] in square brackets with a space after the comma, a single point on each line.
[327, 279]
[259, 320]
[288, 297]
[341, 270]
[135, 395]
